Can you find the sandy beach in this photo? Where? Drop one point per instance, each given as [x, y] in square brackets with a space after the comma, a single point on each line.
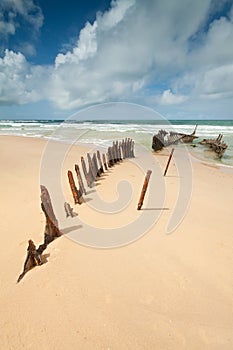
[160, 292]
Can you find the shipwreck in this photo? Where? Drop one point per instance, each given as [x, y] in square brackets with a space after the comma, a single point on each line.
[164, 138]
[217, 145]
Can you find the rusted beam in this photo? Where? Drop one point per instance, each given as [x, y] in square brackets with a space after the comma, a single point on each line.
[144, 188]
[168, 162]
[76, 193]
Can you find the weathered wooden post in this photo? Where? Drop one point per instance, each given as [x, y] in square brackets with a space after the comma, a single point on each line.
[95, 165]
[123, 148]
[92, 172]
[69, 211]
[120, 151]
[110, 157]
[86, 174]
[168, 162]
[80, 180]
[51, 232]
[129, 147]
[76, 193]
[105, 162]
[101, 168]
[51, 229]
[126, 148]
[33, 259]
[132, 150]
[116, 151]
[144, 188]
[113, 153]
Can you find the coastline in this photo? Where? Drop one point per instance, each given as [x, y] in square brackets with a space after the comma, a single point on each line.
[160, 291]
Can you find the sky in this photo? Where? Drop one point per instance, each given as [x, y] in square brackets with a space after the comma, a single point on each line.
[58, 57]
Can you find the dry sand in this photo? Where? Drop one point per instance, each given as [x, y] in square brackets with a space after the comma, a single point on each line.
[160, 292]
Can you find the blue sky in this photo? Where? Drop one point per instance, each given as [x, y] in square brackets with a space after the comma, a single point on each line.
[59, 57]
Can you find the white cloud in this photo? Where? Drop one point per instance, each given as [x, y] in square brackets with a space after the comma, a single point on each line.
[133, 44]
[217, 48]
[216, 83]
[12, 10]
[20, 83]
[169, 98]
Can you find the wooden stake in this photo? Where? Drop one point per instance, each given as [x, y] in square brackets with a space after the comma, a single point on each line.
[76, 194]
[168, 162]
[144, 188]
[80, 180]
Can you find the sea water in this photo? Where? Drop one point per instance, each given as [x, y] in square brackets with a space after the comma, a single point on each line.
[103, 132]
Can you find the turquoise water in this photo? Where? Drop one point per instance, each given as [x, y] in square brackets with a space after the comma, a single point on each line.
[102, 132]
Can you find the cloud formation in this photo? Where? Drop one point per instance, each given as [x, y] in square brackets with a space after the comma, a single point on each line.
[166, 52]
[169, 98]
[12, 10]
[20, 82]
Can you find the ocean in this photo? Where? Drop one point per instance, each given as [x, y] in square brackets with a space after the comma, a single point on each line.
[102, 132]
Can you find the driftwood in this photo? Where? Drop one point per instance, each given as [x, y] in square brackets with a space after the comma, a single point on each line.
[69, 211]
[75, 192]
[168, 162]
[144, 188]
[33, 259]
[80, 180]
